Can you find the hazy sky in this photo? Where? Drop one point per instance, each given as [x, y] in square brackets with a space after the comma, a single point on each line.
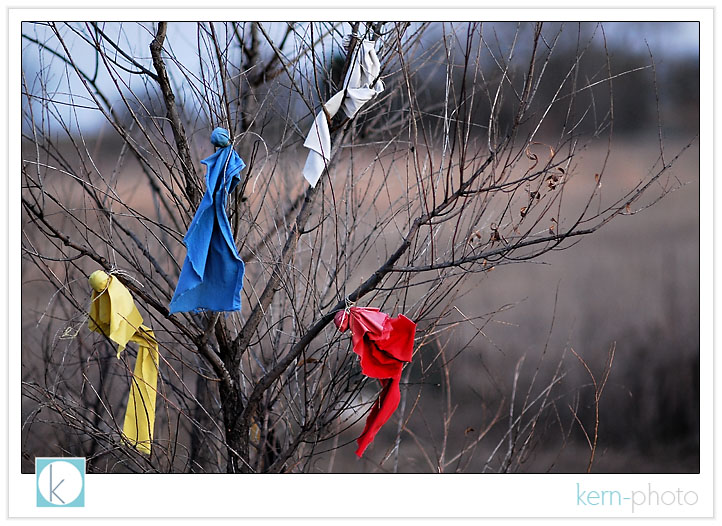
[668, 40]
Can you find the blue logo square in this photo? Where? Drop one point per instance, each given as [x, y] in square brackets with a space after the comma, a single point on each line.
[60, 482]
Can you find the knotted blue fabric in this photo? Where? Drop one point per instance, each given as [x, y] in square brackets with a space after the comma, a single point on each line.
[212, 274]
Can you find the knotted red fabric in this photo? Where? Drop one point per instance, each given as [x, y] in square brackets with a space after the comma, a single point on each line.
[383, 344]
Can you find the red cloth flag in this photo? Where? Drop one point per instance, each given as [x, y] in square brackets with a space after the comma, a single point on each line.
[383, 344]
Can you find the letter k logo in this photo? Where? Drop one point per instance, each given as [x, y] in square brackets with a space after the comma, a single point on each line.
[53, 490]
[60, 482]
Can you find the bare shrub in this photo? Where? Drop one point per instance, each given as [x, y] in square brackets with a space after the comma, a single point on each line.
[466, 162]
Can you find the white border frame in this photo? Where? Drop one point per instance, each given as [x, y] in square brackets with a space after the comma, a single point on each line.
[341, 495]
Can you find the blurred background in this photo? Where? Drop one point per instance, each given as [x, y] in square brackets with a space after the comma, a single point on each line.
[632, 287]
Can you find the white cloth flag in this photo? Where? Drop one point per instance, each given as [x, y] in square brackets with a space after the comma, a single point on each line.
[357, 92]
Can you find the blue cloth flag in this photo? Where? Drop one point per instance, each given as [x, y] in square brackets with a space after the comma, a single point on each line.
[212, 274]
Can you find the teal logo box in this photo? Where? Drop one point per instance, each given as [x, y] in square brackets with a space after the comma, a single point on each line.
[60, 482]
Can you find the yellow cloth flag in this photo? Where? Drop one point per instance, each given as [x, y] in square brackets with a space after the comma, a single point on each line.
[113, 313]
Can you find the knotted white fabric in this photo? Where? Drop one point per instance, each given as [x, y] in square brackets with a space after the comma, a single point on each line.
[357, 92]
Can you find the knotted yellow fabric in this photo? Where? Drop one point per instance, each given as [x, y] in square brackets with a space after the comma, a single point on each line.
[113, 313]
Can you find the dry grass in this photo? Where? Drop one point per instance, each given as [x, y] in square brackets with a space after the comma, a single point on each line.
[635, 283]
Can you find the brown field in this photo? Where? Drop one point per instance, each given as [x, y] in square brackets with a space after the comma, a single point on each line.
[633, 285]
